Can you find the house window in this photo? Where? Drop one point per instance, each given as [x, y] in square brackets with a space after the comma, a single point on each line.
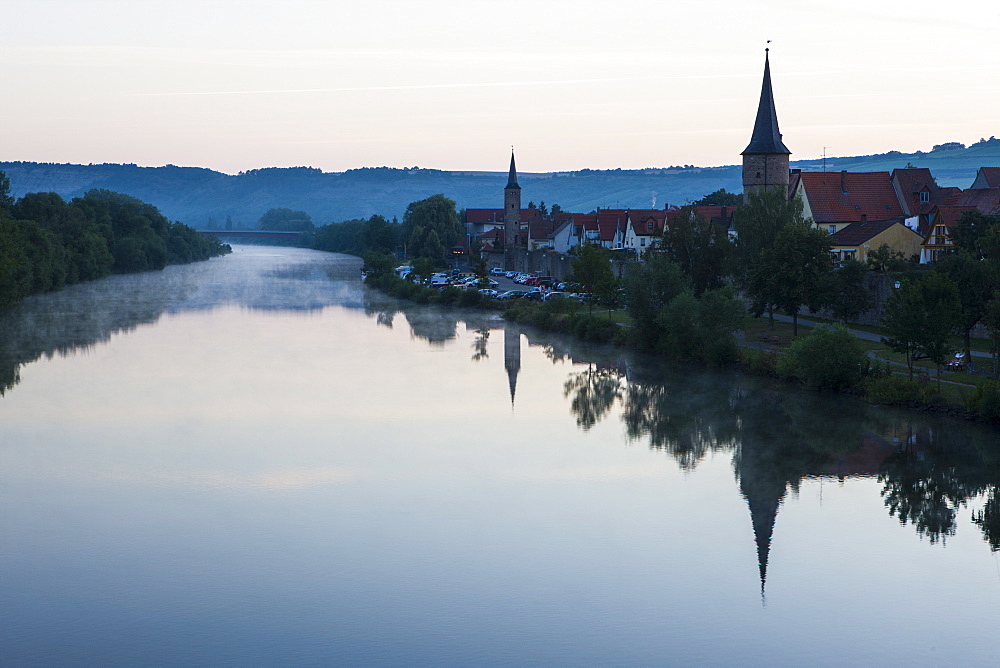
[833, 228]
[642, 241]
[925, 197]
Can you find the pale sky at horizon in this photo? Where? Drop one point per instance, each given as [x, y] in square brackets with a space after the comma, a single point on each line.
[235, 85]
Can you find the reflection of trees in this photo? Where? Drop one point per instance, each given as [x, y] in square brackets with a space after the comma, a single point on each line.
[687, 423]
[935, 473]
[593, 392]
[480, 344]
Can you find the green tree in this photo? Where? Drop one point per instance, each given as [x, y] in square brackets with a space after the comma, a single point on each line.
[758, 223]
[379, 235]
[555, 209]
[977, 281]
[992, 321]
[431, 227]
[648, 287]
[883, 259]
[978, 234]
[699, 247]
[829, 359]
[591, 270]
[286, 220]
[720, 198]
[845, 293]
[920, 317]
[6, 201]
[792, 273]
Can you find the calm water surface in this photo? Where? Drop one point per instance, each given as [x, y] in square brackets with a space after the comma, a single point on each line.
[257, 460]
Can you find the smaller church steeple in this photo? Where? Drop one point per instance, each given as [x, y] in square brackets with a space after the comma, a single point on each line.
[512, 216]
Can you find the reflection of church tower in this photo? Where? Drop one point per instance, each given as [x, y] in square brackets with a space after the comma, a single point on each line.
[763, 491]
[511, 358]
[765, 159]
[511, 216]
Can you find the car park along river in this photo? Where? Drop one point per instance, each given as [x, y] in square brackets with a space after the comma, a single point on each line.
[257, 460]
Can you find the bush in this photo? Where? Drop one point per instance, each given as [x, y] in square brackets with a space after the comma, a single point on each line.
[897, 389]
[985, 401]
[761, 362]
[828, 359]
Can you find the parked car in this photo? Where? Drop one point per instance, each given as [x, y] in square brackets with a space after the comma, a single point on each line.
[510, 274]
[555, 295]
[497, 271]
[512, 294]
[488, 292]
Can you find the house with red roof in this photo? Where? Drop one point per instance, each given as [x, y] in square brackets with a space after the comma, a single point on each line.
[944, 218]
[938, 238]
[987, 177]
[643, 226]
[835, 200]
[918, 193]
[610, 228]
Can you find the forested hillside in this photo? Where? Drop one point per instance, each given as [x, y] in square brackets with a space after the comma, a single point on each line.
[204, 198]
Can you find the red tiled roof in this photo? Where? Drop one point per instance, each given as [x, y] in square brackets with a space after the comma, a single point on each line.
[987, 200]
[540, 229]
[912, 181]
[647, 221]
[484, 215]
[949, 214]
[992, 176]
[843, 197]
[609, 221]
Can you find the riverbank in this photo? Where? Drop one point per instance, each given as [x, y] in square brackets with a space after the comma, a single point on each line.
[880, 379]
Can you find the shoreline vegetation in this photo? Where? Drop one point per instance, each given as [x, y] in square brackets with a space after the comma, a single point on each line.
[47, 243]
[829, 358]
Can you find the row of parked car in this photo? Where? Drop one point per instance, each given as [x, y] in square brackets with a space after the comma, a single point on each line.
[529, 279]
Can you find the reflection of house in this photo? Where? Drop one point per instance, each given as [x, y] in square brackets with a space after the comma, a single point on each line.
[855, 241]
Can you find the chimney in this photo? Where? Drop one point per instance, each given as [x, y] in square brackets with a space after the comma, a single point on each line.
[843, 182]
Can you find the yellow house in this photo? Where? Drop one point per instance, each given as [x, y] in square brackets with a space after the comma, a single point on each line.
[855, 241]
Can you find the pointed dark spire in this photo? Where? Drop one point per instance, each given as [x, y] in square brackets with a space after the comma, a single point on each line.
[763, 512]
[512, 359]
[766, 138]
[512, 179]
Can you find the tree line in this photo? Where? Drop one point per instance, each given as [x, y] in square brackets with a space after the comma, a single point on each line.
[47, 243]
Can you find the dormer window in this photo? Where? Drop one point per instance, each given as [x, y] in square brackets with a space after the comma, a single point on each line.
[925, 197]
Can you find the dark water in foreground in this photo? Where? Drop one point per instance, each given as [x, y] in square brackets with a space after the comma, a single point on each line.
[256, 460]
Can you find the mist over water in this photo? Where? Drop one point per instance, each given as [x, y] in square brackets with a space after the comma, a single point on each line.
[258, 460]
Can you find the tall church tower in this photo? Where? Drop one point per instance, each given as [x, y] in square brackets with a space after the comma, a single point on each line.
[765, 159]
[512, 216]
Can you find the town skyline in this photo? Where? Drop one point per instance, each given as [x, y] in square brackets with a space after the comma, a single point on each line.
[236, 86]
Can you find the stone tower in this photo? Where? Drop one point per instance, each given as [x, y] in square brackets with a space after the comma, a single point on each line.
[512, 216]
[765, 159]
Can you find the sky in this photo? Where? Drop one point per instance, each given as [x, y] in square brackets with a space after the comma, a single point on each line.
[234, 85]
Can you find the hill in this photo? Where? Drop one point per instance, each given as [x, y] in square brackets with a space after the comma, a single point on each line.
[204, 198]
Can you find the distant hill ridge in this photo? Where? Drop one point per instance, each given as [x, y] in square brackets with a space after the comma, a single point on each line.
[204, 198]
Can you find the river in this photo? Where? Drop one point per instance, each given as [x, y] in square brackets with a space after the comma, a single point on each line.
[257, 460]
